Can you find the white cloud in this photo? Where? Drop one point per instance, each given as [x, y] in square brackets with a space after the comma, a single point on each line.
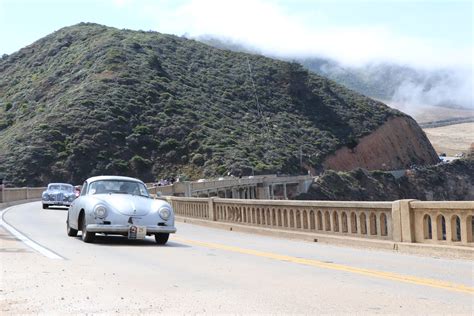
[453, 88]
[267, 26]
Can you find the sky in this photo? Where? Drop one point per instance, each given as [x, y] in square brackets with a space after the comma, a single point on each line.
[423, 33]
[427, 35]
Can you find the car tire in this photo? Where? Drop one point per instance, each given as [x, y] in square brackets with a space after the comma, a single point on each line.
[162, 238]
[71, 232]
[86, 236]
[45, 206]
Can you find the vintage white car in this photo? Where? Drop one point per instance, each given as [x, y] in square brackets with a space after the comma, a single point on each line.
[58, 194]
[115, 205]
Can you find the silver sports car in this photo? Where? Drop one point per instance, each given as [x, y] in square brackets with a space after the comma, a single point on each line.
[119, 206]
[58, 194]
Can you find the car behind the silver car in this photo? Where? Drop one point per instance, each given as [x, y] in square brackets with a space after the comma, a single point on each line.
[58, 194]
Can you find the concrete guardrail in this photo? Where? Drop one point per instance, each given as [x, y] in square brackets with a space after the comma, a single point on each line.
[411, 221]
[17, 194]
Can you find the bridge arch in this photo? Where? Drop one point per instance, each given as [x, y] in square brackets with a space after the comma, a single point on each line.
[335, 221]
[344, 222]
[363, 224]
[327, 221]
[455, 228]
[427, 229]
[373, 223]
[320, 220]
[292, 219]
[353, 223]
[298, 218]
[441, 227]
[285, 218]
[305, 219]
[312, 220]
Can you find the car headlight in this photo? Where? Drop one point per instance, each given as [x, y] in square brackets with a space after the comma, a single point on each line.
[100, 211]
[165, 213]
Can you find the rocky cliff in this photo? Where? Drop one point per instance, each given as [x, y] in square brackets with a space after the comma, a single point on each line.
[397, 144]
[450, 182]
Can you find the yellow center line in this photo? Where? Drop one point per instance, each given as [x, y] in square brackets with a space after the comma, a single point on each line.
[339, 267]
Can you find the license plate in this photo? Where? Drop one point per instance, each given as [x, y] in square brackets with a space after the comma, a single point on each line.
[136, 232]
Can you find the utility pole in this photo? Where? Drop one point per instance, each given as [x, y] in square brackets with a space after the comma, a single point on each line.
[301, 158]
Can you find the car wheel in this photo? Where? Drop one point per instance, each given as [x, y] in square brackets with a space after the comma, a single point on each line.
[86, 236]
[45, 206]
[162, 238]
[70, 231]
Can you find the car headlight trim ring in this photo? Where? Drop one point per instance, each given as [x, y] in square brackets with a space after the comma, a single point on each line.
[165, 213]
[100, 211]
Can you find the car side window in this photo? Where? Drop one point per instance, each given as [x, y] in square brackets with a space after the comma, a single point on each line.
[84, 189]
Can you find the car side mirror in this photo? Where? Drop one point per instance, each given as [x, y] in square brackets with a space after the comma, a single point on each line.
[158, 195]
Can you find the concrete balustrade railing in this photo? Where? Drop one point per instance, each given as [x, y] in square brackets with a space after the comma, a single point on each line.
[361, 219]
[443, 222]
[17, 194]
[191, 207]
[400, 221]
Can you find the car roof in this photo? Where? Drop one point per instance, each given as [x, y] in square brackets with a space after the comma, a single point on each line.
[59, 183]
[92, 179]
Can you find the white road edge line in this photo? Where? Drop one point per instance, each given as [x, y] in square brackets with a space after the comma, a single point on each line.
[30, 243]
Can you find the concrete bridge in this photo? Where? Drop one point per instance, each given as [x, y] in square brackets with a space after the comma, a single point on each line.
[290, 267]
[268, 187]
[249, 206]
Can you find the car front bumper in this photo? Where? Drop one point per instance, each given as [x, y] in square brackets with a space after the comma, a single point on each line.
[122, 229]
[57, 203]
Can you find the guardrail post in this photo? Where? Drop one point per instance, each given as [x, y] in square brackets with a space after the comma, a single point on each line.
[396, 222]
[187, 189]
[212, 213]
[402, 221]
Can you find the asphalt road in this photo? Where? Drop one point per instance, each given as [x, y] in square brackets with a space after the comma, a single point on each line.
[205, 270]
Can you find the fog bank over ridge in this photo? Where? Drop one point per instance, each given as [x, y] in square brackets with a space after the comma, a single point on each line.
[413, 61]
[406, 86]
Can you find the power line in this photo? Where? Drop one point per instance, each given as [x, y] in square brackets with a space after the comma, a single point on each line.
[266, 129]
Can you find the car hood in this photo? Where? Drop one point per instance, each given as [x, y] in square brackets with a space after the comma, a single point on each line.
[127, 204]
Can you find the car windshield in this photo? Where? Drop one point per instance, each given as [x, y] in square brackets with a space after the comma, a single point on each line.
[60, 187]
[118, 186]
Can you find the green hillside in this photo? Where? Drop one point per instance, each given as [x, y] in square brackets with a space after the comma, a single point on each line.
[90, 99]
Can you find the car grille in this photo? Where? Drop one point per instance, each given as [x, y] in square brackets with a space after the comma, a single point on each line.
[56, 197]
[59, 197]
